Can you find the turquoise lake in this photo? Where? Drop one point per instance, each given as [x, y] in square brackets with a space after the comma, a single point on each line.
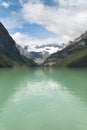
[43, 99]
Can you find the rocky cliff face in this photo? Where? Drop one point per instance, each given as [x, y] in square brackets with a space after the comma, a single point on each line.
[9, 54]
[73, 55]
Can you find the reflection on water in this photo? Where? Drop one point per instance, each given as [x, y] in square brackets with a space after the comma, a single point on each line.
[43, 99]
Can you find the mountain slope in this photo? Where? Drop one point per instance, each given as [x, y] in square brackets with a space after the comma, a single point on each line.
[74, 55]
[9, 54]
[36, 56]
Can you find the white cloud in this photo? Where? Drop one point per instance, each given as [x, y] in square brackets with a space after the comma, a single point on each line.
[24, 39]
[5, 4]
[21, 39]
[70, 3]
[13, 21]
[68, 20]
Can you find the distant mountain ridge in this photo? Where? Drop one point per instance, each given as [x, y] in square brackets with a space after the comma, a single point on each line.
[73, 55]
[39, 53]
[50, 48]
[9, 54]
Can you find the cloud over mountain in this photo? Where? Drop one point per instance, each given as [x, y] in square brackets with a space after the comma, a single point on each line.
[65, 19]
[68, 19]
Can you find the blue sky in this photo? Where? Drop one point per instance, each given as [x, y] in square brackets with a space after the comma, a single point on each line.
[11, 8]
[44, 21]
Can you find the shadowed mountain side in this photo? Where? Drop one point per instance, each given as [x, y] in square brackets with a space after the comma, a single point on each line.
[9, 54]
[74, 55]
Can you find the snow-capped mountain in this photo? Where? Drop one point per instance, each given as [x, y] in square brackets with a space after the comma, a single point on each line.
[50, 48]
[39, 53]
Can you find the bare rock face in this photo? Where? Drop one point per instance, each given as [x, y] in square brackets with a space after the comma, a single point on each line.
[9, 51]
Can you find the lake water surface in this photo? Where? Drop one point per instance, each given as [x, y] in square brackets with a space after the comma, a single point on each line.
[43, 99]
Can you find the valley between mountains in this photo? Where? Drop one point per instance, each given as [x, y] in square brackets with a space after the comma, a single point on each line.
[72, 54]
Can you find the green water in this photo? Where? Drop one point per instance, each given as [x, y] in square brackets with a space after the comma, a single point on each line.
[43, 99]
